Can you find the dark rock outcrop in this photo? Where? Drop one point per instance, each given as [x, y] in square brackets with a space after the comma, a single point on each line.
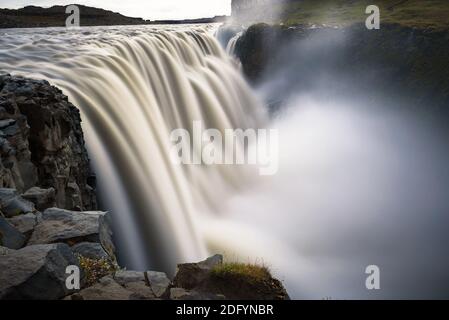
[10, 237]
[91, 250]
[206, 281]
[35, 272]
[397, 62]
[127, 285]
[42, 145]
[107, 289]
[58, 225]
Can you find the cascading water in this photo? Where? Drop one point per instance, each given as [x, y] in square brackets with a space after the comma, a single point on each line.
[134, 85]
[358, 184]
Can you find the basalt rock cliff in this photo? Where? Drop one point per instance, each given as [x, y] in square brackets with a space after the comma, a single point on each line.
[42, 145]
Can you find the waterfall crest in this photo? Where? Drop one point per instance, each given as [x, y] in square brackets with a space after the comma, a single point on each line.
[133, 86]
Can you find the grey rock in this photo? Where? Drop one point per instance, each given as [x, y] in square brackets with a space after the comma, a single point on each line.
[140, 290]
[191, 275]
[211, 262]
[36, 272]
[106, 235]
[37, 119]
[123, 277]
[144, 283]
[159, 283]
[11, 204]
[24, 223]
[58, 225]
[10, 237]
[90, 250]
[42, 198]
[105, 289]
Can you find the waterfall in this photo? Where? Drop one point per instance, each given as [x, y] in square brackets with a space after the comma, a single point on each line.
[134, 85]
[230, 47]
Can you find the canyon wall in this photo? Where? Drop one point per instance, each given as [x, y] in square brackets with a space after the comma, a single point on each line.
[42, 144]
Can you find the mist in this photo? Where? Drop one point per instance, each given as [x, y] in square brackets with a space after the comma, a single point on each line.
[362, 181]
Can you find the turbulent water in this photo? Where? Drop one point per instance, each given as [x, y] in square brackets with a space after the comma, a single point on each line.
[134, 85]
[356, 186]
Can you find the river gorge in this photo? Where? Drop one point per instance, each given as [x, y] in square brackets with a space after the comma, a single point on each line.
[361, 180]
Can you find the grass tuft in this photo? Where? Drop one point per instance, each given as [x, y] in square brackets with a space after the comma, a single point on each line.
[247, 271]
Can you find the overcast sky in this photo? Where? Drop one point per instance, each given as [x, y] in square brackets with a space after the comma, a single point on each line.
[148, 9]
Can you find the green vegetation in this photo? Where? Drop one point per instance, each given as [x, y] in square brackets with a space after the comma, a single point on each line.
[249, 272]
[94, 269]
[412, 13]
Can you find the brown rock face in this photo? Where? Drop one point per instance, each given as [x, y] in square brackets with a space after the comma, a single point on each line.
[42, 144]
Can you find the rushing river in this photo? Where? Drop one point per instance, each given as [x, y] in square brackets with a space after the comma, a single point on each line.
[337, 205]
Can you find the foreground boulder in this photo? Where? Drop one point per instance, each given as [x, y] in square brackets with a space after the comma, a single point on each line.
[157, 283]
[10, 237]
[105, 289]
[191, 275]
[127, 285]
[24, 223]
[213, 279]
[58, 225]
[35, 272]
[90, 250]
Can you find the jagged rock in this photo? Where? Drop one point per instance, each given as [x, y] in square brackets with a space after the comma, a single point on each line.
[140, 290]
[36, 272]
[123, 277]
[191, 275]
[42, 198]
[106, 239]
[71, 227]
[42, 144]
[10, 237]
[11, 204]
[90, 250]
[24, 223]
[207, 280]
[157, 282]
[105, 289]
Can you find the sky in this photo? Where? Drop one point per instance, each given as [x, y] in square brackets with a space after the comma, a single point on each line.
[147, 9]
